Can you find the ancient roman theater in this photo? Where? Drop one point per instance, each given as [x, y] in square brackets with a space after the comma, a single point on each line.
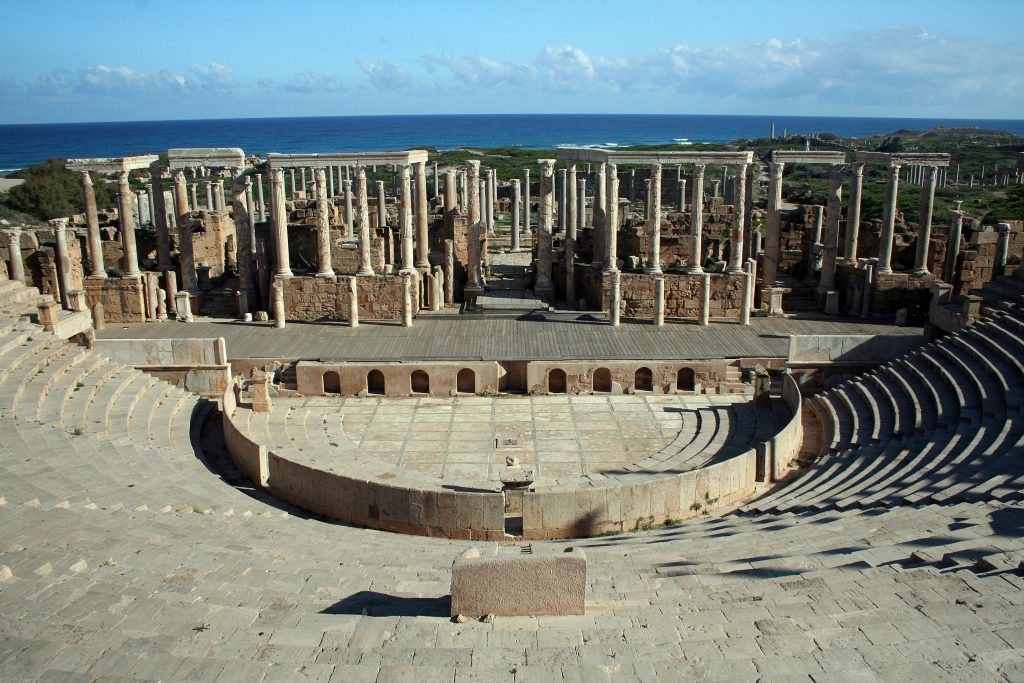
[365, 416]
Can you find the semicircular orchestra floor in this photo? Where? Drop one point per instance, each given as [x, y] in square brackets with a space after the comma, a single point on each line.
[469, 438]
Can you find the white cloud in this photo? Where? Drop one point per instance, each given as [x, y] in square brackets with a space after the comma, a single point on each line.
[386, 75]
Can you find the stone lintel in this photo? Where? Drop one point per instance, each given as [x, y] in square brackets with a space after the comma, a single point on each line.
[799, 156]
[904, 159]
[209, 157]
[663, 157]
[518, 581]
[318, 160]
[111, 164]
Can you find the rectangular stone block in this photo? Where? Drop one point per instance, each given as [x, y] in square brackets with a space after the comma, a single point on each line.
[518, 581]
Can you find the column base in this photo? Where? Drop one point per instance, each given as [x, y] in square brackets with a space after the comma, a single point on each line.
[735, 271]
[654, 271]
[284, 273]
[364, 272]
[325, 274]
[695, 271]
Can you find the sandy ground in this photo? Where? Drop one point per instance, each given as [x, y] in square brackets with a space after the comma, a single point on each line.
[8, 183]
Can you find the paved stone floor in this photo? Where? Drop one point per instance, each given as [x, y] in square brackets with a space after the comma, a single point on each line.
[559, 435]
[550, 336]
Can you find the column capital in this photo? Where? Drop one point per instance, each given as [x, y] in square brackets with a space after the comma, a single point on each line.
[86, 178]
[277, 174]
[894, 167]
[515, 183]
[858, 168]
[698, 170]
[776, 168]
[547, 166]
[61, 223]
[611, 169]
[581, 183]
[122, 177]
[178, 175]
[473, 167]
[404, 172]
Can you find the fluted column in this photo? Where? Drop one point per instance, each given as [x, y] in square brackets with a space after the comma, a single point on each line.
[515, 216]
[598, 213]
[696, 264]
[363, 213]
[131, 256]
[1002, 250]
[581, 203]
[474, 226]
[16, 271]
[422, 217]
[830, 242]
[405, 217]
[186, 259]
[953, 246]
[654, 222]
[615, 298]
[924, 232]
[487, 206]
[262, 204]
[241, 196]
[889, 221]
[773, 227]
[96, 266]
[611, 259]
[562, 202]
[739, 233]
[280, 222]
[59, 226]
[451, 201]
[544, 284]
[323, 225]
[853, 214]
[159, 218]
[571, 216]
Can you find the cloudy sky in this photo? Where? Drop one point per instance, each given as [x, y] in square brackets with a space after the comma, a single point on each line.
[120, 60]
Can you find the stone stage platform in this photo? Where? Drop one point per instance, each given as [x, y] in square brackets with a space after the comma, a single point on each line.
[536, 336]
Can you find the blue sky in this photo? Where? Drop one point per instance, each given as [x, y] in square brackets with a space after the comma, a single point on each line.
[134, 60]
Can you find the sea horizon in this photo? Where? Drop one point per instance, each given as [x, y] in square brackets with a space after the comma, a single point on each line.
[27, 144]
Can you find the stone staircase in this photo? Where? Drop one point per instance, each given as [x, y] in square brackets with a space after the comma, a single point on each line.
[943, 423]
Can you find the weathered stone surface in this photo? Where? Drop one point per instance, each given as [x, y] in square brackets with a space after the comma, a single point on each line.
[514, 581]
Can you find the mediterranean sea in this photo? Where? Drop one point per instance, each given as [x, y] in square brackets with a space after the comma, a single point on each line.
[26, 144]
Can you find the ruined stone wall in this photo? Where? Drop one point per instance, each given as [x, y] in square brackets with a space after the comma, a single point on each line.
[123, 299]
[320, 298]
[213, 233]
[977, 256]
[682, 295]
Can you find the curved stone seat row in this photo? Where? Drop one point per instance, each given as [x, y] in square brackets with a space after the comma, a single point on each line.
[125, 558]
[716, 464]
[943, 422]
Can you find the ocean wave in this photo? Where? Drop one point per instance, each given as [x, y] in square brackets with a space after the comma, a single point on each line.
[595, 145]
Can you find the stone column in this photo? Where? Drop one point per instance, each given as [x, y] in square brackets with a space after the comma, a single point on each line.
[349, 216]
[437, 190]
[382, 206]
[97, 268]
[277, 294]
[422, 218]
[363, 219]
[830, 245]
[562, 202]
[738, 237]
[241, 192]
[291, 177]
[1002, 250]
[853, 214]
[696, 264]
[405, 217]
[259, 195]
[659, 299]
[280, 223]
[515, 216]
[159, 217]
[889, 222]
[302, 182]
[544, 284]
[194, 206]
[186, 260]
[487, 203]
[323, 225]
[250, 208]
[209, 195]
[171, 290]
[127, 224]
[59, 226]
[581, 203]
[924, 231]
[682, 194]
[353, 298]
[221, 203]
[407, 276]
[437, 289]
[812, 255]
[748, 291]
[141, 207]
[705, 299]
[16, 271]
[571, 215]
[615, 299]
[451, 201]
[598, 213]
[484, 255]
[330, 181]
[526, 202]
[611, 259]
[647, 200]
[449, 268]
[953, 246]
[773, 227]
[474, 227]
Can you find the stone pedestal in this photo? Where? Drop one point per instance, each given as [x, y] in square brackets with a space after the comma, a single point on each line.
[183, 307]
[259, 388]
[615, 300]
[659, 300]
[353, 302]
[705, 299]
[277, 294]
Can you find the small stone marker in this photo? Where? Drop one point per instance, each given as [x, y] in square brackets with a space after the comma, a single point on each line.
[515, 475]
[512, 581]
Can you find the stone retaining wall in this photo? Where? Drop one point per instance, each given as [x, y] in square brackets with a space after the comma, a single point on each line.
[327, 298]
